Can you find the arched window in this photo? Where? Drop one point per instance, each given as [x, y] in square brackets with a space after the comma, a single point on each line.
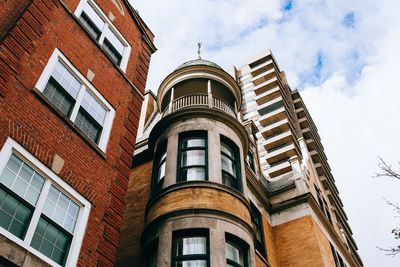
[230, 163]
[192, 156]
[236, 251]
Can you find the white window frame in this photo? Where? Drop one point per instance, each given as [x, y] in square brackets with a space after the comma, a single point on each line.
[107, 25]
[86, 86]
[12, 147]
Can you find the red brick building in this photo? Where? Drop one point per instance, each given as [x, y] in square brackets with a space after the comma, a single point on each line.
[72, 78]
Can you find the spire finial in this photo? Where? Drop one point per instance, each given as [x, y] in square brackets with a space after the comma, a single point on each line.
[198, 48]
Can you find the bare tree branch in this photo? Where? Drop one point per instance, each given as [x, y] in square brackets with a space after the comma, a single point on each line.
[386, 170]
[390, 251]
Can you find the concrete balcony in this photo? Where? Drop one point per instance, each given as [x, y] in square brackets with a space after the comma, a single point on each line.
[275, 115]
[265, 66]
[300, 113]
[278, 140]
[196, 101]
[268, 95]
[282, 152]
[275, 127]
[263, 77]
[266, 85]
[279, 168]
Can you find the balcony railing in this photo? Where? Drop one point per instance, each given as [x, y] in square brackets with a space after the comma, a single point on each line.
[198, 100]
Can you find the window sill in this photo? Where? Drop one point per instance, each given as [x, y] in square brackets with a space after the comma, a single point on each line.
[69, 123]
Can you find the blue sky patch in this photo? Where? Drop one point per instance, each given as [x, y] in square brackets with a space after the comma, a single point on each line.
[349, 20]
[287, 5]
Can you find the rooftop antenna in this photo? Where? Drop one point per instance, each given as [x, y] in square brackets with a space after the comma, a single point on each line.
[198, 48]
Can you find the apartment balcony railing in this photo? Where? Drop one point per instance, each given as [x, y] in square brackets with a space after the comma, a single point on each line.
[198, 100]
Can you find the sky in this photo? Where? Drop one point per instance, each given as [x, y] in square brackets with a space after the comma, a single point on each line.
[343, 56]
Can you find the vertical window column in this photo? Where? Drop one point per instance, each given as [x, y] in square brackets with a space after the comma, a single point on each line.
[230, 164]
[192, 156]
[191, 248]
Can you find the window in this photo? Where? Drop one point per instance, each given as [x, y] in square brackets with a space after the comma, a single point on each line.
[38, 210]
[192, 156]
[70, 93]
[256, 222]
[337, 258]
[159, 167]
[236, 252]
[230, 163]
[191, 248]
[250, 161]
[102, 29]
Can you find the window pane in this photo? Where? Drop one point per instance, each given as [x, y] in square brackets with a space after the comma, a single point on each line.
[60, 208]
[192, 263]
[193, 142]
[88, 125]
[111, 51]
[14, 216]
[50, 241]
[234, 253]
[26, 182]
[161, 171]
[92, 14]
[193, 157]
[59, 97]
[65, 78]
[94, 108]
[115, 42]
[228, 165]
[227, 150]
[90, 26]
[193, 174]
[191, 245]
[229, 180]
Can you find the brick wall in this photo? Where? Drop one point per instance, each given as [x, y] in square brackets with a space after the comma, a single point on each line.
[25, 48]
[134, 216]
[302, 243]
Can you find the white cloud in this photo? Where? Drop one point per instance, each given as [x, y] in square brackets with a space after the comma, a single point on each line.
[353, 100]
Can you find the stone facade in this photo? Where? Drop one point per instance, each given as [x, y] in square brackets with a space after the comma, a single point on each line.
[198, 178]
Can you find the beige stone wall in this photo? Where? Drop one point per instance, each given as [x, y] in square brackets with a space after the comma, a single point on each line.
[199, 198]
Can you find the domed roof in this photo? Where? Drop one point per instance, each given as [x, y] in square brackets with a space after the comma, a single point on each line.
[197, 62]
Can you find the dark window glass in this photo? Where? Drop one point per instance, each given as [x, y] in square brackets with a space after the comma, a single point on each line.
[190, 248]
[236, 252]
[159, 168]
[256, 221]
[112, 52]
[59, 97]
[88, 125]
[230, 164]
[250, 160]
[90, 26]
[14, 213]
[192, 163]
[51, 241]
[334, 256]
